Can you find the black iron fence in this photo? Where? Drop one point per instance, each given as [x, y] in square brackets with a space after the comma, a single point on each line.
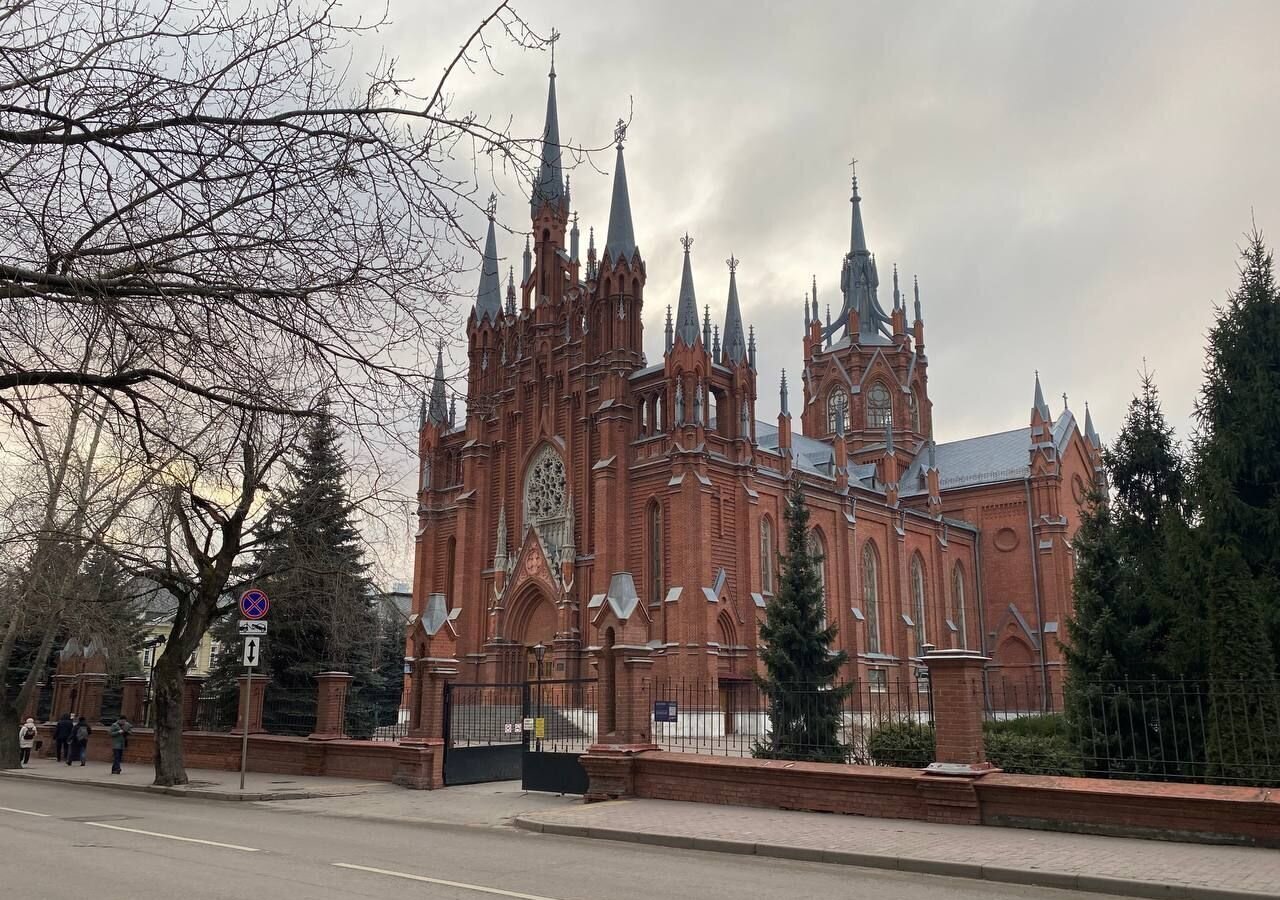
[862, 722]
[367, 720]
[482, 715]
[1220, 732]
[565, 715]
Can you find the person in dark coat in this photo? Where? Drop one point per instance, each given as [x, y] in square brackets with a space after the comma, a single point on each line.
[80, 741]
[62, 736]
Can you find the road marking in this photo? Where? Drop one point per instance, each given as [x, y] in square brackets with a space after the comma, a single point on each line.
[173, 837]
[440, 881]
[23, 812]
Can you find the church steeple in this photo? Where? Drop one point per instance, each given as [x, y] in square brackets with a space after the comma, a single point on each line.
[687, 308]
[489, 294]
[438, 409]
[1038, 404]
[549, 188]
[735, 343]
[620, 243]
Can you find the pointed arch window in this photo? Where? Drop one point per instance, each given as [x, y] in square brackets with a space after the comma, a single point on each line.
[653, 528]
[837, 410]
[918, 602]
[767, 559]
[957, 607]
[871, 595]
[818, 552]
[879, 406]
[913, 407]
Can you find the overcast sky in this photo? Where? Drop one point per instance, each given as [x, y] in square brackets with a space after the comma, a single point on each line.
[1070, 181]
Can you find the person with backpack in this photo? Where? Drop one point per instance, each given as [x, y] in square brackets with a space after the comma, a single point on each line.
[62, 736]
[80, 741]
[26, 740]
[120, 729]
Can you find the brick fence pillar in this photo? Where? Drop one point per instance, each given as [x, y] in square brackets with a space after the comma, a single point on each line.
[331, 706]
[61, 696]
[255, 690]
[92, 684]
[133, 696]
[192, 687]
[955, 678]
[426, 710]
[625, 698]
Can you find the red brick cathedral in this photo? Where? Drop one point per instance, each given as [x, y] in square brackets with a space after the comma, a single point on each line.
[589, 482]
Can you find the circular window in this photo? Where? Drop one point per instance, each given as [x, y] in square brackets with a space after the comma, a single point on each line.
[1006, 539]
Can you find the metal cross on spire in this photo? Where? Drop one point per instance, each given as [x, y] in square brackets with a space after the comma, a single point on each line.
[555, 36]
[491, 207]
[732, 263]
[686, 242]
[853, 168]
[620, 132]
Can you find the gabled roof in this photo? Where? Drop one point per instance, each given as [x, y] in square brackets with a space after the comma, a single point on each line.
[985, 459]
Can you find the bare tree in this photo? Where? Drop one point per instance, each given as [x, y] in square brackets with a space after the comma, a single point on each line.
[209, 180]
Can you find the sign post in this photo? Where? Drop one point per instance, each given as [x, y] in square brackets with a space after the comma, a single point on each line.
[253, 606]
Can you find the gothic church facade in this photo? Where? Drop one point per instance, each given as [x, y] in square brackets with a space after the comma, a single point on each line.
[586, 479]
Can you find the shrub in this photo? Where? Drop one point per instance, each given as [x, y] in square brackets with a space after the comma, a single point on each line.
[1049, 725]
[1032, 754]
[906, 744]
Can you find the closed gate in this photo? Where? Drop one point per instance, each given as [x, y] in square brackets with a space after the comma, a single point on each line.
[564, 715]
[482, 735]
[534, 731]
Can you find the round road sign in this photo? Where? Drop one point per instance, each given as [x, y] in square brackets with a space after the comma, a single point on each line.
[254, 604]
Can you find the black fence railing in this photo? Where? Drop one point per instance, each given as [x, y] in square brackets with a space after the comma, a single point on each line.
[862, 722]
[216, 712]
[1218, 732]
[568, 712]
[480, 715]
[367, 720]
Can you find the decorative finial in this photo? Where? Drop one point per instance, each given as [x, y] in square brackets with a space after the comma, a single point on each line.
[491, 208]
[732, 263]
[555, 36]
[686, 242]
[620, 132]
[1064, 401]
[853, 168]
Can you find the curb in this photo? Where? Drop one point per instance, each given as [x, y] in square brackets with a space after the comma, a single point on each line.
[181, 790]
[1097, 884]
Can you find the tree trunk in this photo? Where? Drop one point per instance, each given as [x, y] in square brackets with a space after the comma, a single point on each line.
[9, 758]
[167, 700]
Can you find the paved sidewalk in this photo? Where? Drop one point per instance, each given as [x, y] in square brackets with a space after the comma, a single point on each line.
[1125, 866]
[206, 783]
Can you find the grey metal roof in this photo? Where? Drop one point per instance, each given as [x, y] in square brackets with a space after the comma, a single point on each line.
[985, 459]
[621, 240]
[489, 294]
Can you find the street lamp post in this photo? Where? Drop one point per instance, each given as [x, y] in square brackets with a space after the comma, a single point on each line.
[539, 651]
[151, 646]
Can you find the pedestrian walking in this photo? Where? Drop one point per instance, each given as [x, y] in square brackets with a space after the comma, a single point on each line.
[120, 729]
[26, 740]
[62, 736]
[80, 741]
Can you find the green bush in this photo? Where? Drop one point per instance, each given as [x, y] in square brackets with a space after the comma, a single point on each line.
[1032, 754]
[1049, 725]
[906, 744]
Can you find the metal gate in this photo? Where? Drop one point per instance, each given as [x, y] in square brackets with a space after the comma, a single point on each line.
[483, 740]
[564, 715]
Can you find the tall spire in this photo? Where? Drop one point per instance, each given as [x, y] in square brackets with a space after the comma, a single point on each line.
[782, 395]
[915, 286]
[549, 188]
[489, 294]
[621, 239]
[528, 262]
[807, 317]
[687, 309]
[735, 345]
[857, 236]
[897, 297]
[706, 326]
[511, 290]
[438, 410]
[670, 333]
[1089, 431]
[1040, 406]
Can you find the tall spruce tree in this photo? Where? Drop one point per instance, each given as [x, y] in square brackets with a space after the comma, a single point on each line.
[1237, 483]
[804, 701]
[1118, 659]
[312, 566]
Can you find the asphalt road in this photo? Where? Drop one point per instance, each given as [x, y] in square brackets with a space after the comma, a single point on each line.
[59, 841]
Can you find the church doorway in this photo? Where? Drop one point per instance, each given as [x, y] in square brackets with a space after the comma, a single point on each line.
[534, 626]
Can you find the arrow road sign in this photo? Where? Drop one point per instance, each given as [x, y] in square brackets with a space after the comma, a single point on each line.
[254, 604]
[251, 654]
[251, 627]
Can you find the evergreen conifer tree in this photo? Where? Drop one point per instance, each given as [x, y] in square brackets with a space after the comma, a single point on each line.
[805, 704]
[1237, 483]
[311, 564]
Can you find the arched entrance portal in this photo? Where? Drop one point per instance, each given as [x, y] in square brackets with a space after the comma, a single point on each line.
[534, 622]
